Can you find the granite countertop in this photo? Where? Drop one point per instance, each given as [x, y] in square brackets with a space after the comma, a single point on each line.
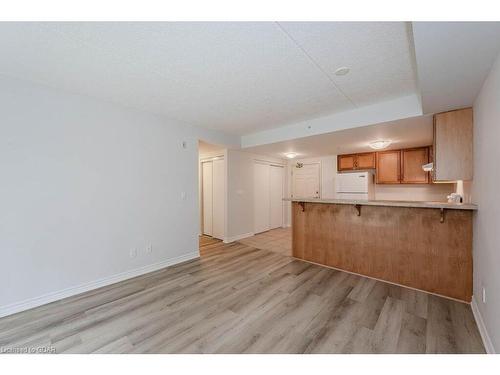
[417, 204]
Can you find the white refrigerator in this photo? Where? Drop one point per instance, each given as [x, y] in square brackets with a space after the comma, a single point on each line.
[355, 186]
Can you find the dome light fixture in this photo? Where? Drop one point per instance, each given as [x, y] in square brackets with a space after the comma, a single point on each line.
[291, 155]
[380, 144]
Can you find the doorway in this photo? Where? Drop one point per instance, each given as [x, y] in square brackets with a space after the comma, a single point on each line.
[212, 191]
[306, 179]
[213, 197]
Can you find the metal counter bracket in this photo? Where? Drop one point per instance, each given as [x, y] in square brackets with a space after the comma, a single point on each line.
[441, 220]
[358, 208]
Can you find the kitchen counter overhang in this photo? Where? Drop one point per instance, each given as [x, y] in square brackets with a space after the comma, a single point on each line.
[422, 245]
[387, 203]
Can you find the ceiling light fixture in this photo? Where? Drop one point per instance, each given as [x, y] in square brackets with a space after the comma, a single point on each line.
[342, 71]
[290, 155]
[379, 145]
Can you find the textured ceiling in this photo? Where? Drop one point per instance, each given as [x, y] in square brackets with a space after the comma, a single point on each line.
[451, 77]
[234, 77]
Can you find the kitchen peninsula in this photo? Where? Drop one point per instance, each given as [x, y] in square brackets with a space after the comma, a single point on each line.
[422, 245]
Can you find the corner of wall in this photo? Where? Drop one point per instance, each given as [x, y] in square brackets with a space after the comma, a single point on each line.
[488, 344]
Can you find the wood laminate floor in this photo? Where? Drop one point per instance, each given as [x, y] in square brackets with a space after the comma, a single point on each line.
[276, 240]
[238, 299]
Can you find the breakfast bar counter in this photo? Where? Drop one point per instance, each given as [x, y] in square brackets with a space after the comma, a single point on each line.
[421, 245]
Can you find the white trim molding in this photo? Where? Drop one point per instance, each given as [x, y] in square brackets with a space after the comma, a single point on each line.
[488, 345]
[238, 237]
[85, 287]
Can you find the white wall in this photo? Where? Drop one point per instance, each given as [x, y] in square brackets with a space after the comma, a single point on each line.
[240, 199]
[485, 194]
[83, 183]
[424, 192]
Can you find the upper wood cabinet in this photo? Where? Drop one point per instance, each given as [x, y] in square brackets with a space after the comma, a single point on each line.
[388, 167]
[353, 162]
[392, 167]
[402, 166]
[412, 160]
[346, 162]
[365, 160]
[453, 145]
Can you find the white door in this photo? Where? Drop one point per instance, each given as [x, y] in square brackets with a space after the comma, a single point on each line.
[207, 197]
[306, 180]
[218, 194]
[276, 196]
[261, 198]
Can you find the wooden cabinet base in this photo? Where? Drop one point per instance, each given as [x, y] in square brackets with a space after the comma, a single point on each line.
[402, 245]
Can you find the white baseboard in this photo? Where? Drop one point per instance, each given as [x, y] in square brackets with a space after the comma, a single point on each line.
[488, 345]
[238, 237]
[72, 291]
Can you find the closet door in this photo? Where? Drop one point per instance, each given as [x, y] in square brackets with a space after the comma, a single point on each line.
[218, 199]
[261, 197]
[207, 197]
[276, 196]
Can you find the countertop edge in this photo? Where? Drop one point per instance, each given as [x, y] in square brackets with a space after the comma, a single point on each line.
[416, 204]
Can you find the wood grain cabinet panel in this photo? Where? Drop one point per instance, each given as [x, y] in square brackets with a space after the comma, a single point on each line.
[453, 145]
[346, 162]
[388, 167]
[365, 160]
[407, 246]
[352, 162]
[412, 160]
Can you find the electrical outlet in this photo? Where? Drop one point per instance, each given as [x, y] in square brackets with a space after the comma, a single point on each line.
[149, 249]
[484, 294]
[133, 253]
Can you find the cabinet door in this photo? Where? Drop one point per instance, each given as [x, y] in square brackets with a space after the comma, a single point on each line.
[365, 161]
[388, 163]
[412, 160]
[346, 162]
[453, 145]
